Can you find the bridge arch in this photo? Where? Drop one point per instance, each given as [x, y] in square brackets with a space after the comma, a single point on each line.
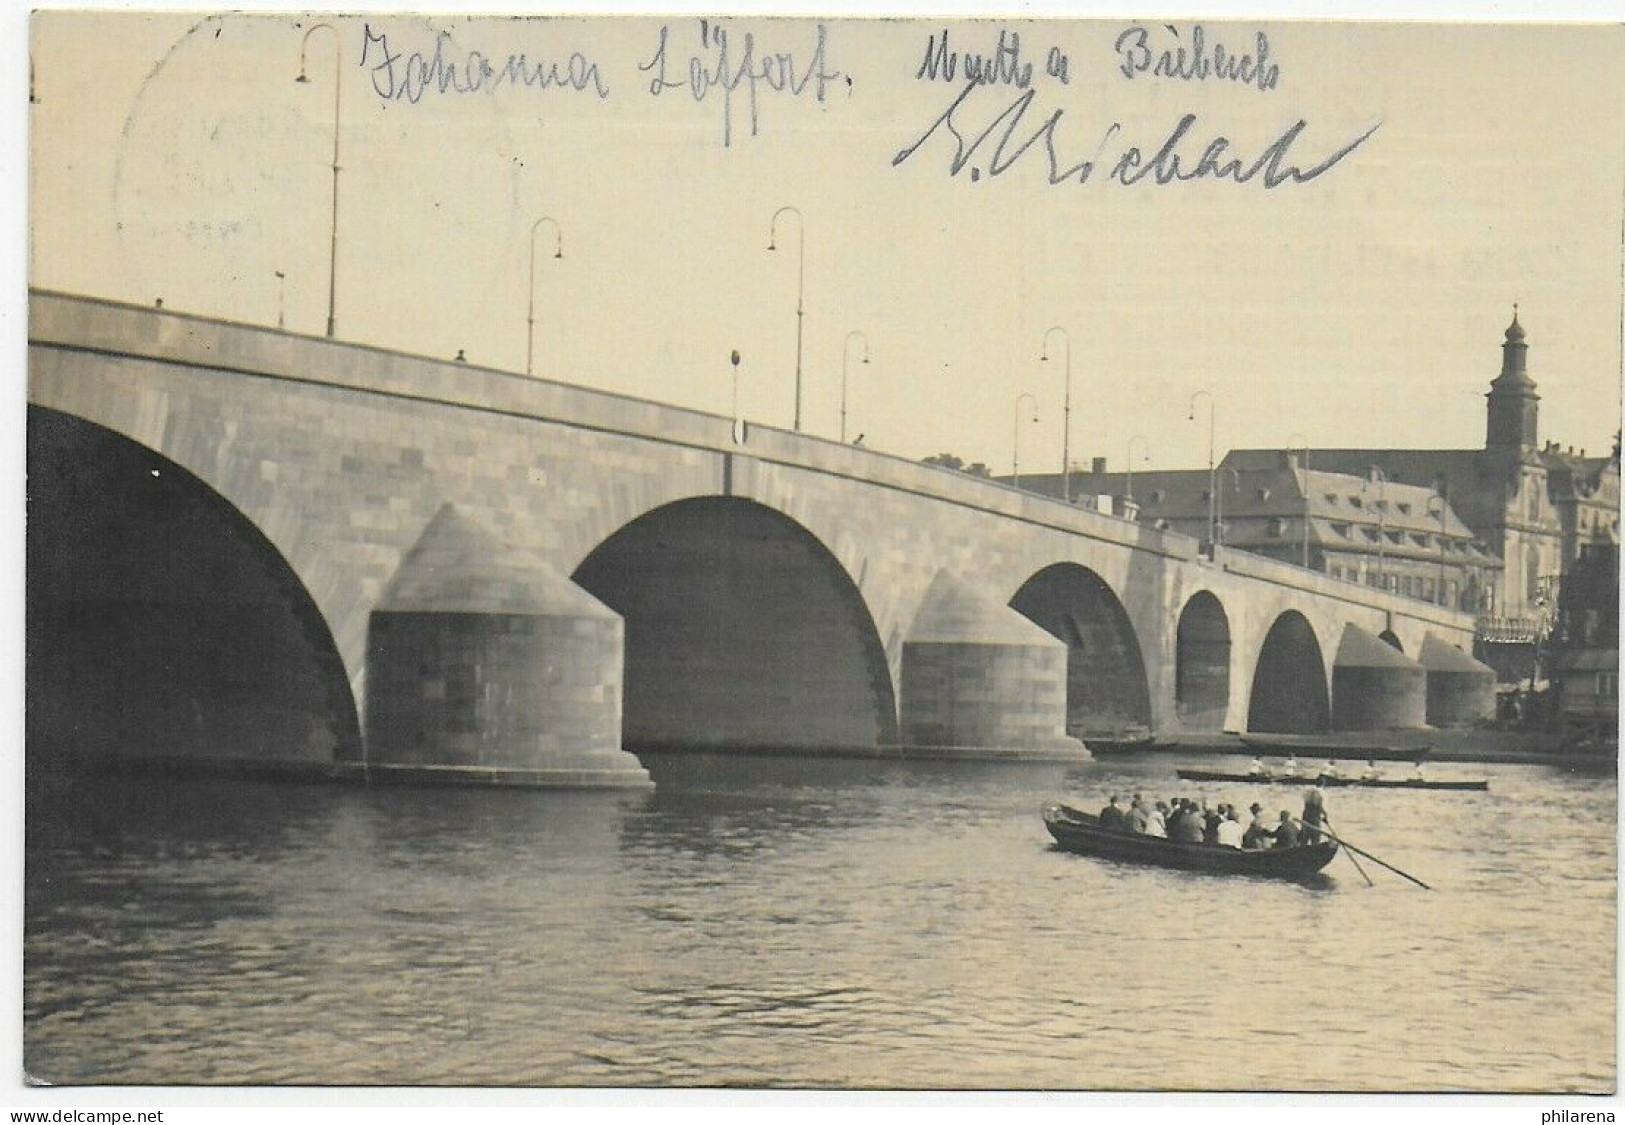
[1106, 686]
[162, 623]
[1202, 663]
[743, 631]
[1289, 683]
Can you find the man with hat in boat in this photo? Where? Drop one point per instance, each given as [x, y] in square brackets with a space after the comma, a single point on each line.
[1111, 817]
[1286, 833]
[1258, 830]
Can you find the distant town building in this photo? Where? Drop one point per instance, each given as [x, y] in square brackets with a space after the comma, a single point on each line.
[1363, 529]
[1489, 530]
[1539, 508]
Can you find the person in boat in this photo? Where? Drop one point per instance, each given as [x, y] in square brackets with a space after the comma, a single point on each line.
[1189, 826]
[1292, 766]
[1156, 823]
[1258, 831]
[1229, 834]
[1112, 817]
[1286, 833]
[1371, 772]
[1257, 767]
[1314, 815]
[1138, 817]
[1416, 774]
[1210, 828]
[1331, 768]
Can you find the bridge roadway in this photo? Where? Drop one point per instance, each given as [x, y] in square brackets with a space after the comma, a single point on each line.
[252, 546]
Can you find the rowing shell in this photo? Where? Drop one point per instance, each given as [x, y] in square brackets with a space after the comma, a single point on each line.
[1331, 781]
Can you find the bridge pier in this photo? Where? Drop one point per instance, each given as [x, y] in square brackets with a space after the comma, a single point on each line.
[1461, 690]
[976, 673]
[1375, 686]
[486, 667]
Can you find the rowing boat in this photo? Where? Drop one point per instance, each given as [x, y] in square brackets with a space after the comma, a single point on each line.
[1335, 746]
[1329, 781]
[1081, 832]
[1113, 747]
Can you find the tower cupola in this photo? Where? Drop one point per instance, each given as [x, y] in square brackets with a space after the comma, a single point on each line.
[1513, 404]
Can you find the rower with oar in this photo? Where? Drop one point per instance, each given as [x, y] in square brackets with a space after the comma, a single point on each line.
[1314, 814]
[1322, 826]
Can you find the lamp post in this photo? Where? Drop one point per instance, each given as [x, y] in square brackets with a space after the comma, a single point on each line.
[1128, 490]
[846, 350]
[1308, 493]
[333, 244]
[738, 426]
[801, 287]
[1212, 487]
[1066, 411]
[530, 313]
[1015, 443]
[1444, 506]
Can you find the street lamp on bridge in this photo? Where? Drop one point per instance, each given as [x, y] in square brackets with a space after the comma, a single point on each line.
[1015, 444]
[801, 287]
[530, 314]
[846, 350]
[1128, 489]
[738, 423]
[333, 244]
[1066, 410]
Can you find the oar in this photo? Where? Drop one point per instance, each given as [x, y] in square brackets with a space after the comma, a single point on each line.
[1368, 855]
[1350, 854]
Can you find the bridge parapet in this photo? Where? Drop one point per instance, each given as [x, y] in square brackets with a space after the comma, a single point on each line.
[164, 335]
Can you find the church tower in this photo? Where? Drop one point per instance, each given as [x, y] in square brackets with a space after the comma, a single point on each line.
[1513, 404]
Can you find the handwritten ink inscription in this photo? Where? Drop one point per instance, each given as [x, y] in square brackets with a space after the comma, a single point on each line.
[982, 131]
[990, 139]
[400, 77]
[749, 72]
[999, 143]
[1195, 63]
[1002, 66]
[716, 67]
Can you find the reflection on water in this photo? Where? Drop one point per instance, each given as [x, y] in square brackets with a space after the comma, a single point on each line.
[778, 922]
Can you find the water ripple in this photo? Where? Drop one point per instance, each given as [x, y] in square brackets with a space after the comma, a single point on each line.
[834, 924]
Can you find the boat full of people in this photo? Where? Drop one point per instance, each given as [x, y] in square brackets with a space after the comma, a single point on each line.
[1197, 837]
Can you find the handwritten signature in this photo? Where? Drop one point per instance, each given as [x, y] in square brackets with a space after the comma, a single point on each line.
[999, 147]
[771, 72]
[395, 78]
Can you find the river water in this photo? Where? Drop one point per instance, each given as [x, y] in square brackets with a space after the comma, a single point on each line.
[770, 922]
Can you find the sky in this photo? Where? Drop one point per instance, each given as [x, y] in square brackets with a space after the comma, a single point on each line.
[175, 157]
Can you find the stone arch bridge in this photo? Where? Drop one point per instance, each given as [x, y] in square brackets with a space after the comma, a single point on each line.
[245, 543]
